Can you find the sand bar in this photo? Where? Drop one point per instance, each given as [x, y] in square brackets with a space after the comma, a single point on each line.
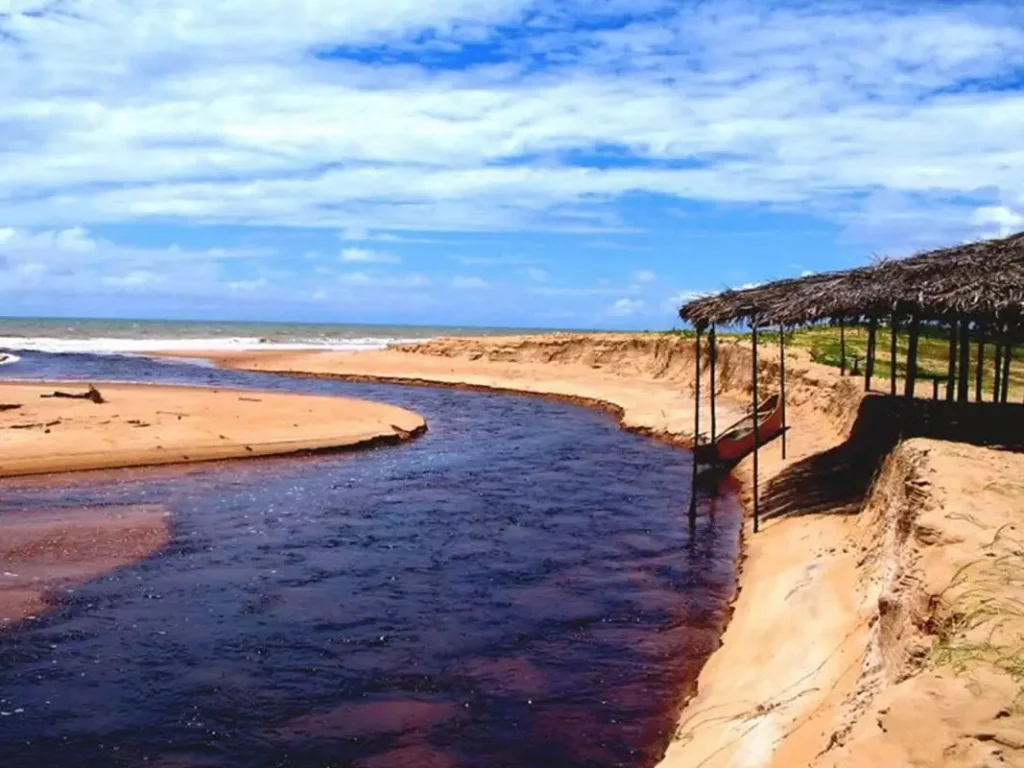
[140, 425]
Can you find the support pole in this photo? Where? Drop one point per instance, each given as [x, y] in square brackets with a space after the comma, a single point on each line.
[963, 390]
[951, 374]
[757, 436]
[713, 352]
[910, 383]
[979, 371]
[1007, 360]
[997, 373]
[842, 348]
[696, 427]
[782, 383]
[869, 361]
[894, 335]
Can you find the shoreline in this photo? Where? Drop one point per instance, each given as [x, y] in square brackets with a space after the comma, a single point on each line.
[151, 425]
[807, 670]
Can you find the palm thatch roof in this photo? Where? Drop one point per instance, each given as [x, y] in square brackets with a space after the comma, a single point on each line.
[981, 281]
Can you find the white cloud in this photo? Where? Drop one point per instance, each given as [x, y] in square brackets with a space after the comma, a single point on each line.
[807, 273]
[469, 282]
[213, 113]
[368, 256]
[626, 307]
[645, 276]
[1000, 220]
[537, 275]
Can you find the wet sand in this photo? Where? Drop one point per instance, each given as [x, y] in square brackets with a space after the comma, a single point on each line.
[141, 425]
[813, 665]
[42, 553]
[45, 553]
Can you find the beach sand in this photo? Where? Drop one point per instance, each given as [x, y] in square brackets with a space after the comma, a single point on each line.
[140, 425]
[46, 551]
[834, 654]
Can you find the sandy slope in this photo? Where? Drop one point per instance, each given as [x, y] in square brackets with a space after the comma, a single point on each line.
[142, 425]
[834, 655]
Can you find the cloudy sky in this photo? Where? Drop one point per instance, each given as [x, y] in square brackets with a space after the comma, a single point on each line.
[571, 163]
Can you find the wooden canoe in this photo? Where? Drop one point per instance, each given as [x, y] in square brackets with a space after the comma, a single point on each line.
[738, 440]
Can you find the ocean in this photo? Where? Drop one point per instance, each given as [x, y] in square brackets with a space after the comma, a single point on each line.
[127, 336]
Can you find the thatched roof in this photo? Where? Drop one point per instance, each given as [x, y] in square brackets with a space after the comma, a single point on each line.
[979, 281]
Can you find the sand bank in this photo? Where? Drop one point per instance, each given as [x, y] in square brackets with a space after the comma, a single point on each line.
[141, 425]
[847, 596]
[44, 553]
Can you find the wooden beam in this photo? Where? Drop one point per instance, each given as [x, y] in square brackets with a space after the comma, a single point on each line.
[696, 426]
[842, 347]
[951, 377]
[893, 336]
[869, 360]
[913, 340]
[1007, 361]
[963, 389]
[757, 436]
[997, 374]
[782, 384]
[713, 352]
[979, 369]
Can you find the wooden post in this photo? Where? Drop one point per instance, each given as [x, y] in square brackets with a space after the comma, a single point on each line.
[979, 371]
[963, 390]
[997, 373]
[911, 381]
[696, 426]
[869, 360]
[757, 436]
[713, 352]
[935, 387]
[842, 347]
[1007, 360]
[782, 383]
[892, 354]
[951, 377]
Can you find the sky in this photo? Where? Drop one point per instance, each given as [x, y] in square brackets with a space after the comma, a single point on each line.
[548, 163]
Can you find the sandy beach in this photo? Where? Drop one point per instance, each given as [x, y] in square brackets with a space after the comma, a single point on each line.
[846, 624]
[141, 425]
[44, 552]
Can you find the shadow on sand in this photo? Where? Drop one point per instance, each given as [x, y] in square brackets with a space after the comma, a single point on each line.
[837, 481]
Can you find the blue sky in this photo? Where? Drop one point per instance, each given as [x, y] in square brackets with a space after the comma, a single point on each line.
[571, 163]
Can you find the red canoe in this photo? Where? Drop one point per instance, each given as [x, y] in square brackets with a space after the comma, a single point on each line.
[738, 440]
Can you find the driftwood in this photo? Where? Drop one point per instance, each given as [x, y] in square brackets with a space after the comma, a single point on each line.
[9, 406]
[91, 394]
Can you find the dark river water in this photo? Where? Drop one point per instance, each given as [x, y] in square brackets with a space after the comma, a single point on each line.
[519, 587]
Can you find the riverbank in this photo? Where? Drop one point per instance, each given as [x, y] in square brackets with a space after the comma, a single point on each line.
[43, 553]
[805, 674]
[142, 425]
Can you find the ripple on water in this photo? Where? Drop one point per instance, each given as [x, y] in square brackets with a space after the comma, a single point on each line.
[517, 588]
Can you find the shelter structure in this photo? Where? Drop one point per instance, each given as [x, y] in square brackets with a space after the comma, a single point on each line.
[975, 291]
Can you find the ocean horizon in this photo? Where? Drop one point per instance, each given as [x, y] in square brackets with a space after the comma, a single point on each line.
[96, 335]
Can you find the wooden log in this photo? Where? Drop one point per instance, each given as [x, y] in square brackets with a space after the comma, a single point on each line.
[913, 341]
[869, 360]
[951, 377]
[1007, 363]
[842, 348]
[713, 352]
[963, 383]
[696, 427]
[894, 335]
[997, 374]
[979, 369]
[782, 385]
[757, 436]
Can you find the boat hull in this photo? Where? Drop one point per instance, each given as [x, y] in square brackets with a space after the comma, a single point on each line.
[728, 450]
